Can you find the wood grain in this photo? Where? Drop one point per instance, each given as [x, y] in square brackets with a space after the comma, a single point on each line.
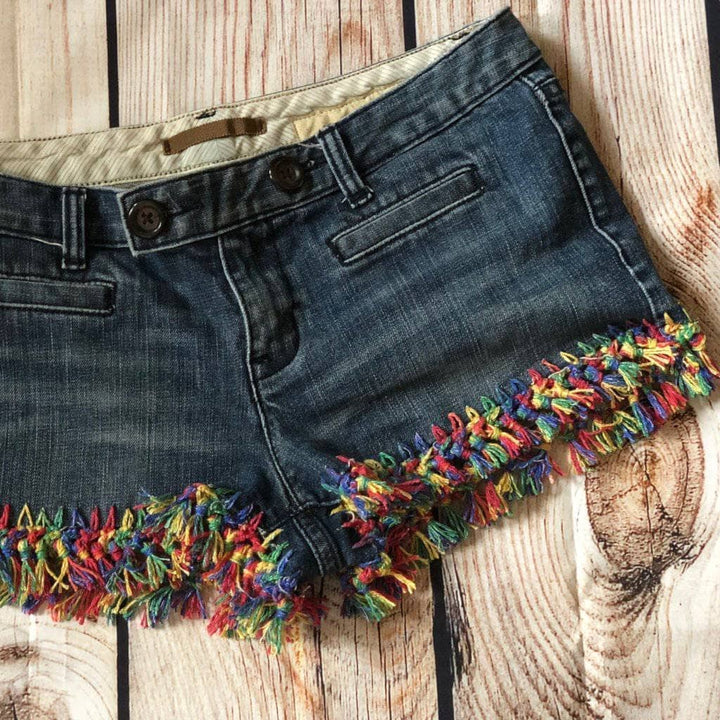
[654, 131]
[54, 57]
[56, 671]
[646, 531]
[614, 640]
[178, 55]
[513, 608]
[640, 84]
[347, 668]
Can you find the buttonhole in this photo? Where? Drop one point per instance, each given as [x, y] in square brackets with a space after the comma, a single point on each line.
[205, 114]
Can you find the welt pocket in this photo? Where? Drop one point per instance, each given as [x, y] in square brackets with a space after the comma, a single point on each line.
[28, 292]
[400, 218]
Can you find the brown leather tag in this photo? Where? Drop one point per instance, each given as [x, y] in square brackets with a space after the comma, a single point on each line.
[227, 127]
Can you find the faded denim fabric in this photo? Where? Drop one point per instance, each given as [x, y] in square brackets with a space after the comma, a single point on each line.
[450, 234]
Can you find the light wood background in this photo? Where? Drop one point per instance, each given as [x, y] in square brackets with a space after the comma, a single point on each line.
[600, 598]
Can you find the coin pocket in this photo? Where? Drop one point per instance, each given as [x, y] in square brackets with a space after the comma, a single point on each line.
[26, 292]
[401, 218]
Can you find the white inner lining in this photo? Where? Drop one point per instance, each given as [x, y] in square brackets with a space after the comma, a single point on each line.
[132, 154]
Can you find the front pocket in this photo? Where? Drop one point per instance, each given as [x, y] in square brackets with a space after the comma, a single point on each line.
[26, 292]
[399, 219]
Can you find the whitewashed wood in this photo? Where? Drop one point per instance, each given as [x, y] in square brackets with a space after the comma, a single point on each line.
[371, 31]
[229, 678]
[56, 71]
[381, 670]
[649, 597]
[56, 670]
[348, 668]
[513, 607]
[640, 84]
[177, 55]
[9, 91]
[656, 134]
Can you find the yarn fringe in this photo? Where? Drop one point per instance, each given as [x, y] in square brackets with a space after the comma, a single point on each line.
[158, 559]
[411, 508]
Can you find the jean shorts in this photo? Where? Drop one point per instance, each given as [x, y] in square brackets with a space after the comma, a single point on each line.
[327, 330]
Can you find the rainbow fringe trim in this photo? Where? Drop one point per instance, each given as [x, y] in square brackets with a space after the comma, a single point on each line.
[414, 508]
[410, 510]
[155, 561]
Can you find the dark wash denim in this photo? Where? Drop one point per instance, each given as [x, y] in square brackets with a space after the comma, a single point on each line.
[452, 233]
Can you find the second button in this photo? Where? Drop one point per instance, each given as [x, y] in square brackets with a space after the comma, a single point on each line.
[286, 172]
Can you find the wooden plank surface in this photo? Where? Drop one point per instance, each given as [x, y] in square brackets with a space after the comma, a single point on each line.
[598, 598]
[54, 60]
[56, 670]
[175, 57]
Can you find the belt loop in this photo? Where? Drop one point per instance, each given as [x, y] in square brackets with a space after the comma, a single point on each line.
[73, 228]
[356, 192]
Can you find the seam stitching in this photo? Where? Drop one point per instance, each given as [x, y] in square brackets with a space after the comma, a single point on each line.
[65, 309]
[387, 212]
[261, 416]
[398, 235]
[106, 309]
[57, 281]
[542, 98]
[413, 196]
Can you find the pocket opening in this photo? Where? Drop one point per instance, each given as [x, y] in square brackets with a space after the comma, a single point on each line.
[392, 223]
[42, 294]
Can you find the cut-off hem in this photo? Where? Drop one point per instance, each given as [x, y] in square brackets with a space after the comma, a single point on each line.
[410, 509]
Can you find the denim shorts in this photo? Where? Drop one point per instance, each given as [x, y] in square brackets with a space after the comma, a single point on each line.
[328, 330]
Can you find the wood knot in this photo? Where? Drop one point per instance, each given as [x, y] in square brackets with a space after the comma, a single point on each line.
[643, 502]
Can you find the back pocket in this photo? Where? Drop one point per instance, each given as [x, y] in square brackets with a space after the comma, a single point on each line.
[27, 292]
[395, 222]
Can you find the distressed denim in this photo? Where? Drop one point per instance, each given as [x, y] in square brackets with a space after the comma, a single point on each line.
[451, 234]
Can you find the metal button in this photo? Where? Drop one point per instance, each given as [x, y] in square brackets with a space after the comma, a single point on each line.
[147, 218]
[286, 172]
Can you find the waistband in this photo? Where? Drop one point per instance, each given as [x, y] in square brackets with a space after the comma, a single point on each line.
[78, 189]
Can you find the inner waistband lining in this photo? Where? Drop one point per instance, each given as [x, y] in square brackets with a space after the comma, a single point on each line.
[133, 154]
